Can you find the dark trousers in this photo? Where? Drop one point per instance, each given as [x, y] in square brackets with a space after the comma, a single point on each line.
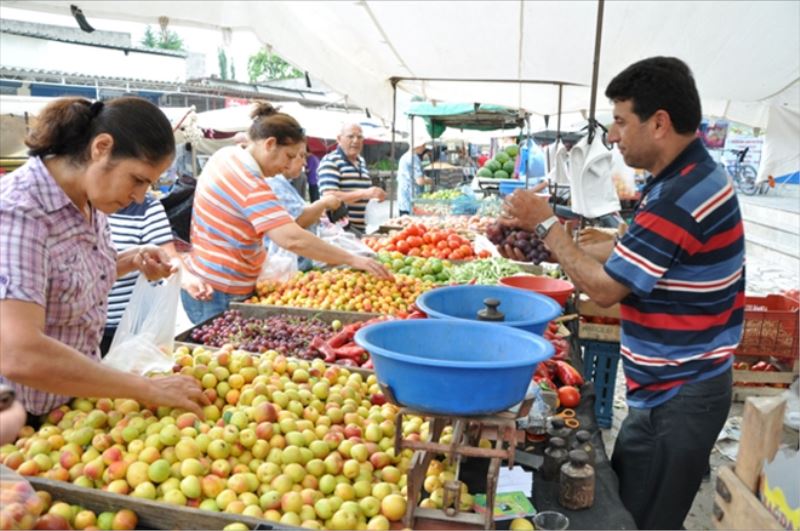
[313, 192]
[105, 343]
[661, 453]
[404, 212]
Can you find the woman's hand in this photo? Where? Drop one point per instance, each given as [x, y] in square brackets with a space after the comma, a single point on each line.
[179, 391]
[370, 266]
[154, 262]
[197, 288]
[330, 202]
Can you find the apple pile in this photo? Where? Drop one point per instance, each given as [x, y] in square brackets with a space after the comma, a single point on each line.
[344, 290]
[430, 269]
[23, 508]
[287, 440]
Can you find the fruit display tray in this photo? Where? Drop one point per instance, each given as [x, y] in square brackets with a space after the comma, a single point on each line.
[265, 310]
[151, 514]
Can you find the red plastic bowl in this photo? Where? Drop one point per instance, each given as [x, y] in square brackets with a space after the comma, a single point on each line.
[557, 289]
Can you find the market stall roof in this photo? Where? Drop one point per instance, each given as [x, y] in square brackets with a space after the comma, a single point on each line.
[506, 52]
[475, 116]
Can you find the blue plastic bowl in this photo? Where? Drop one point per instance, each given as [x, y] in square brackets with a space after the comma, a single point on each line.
[524, 309]
[453, 367]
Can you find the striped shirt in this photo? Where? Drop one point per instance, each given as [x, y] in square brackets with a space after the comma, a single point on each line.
[233, 208]
[137, 224]
[51, 256]
[336, 172]
[683, 259]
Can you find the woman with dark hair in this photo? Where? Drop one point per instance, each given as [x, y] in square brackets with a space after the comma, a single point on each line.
[57, 262]
[234, 208]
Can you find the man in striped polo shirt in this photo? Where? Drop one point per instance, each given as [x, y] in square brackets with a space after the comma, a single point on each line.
[344, 173]
[678, 273]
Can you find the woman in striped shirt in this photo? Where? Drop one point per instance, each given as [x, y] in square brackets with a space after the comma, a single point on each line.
[57, 262]
[234, 208]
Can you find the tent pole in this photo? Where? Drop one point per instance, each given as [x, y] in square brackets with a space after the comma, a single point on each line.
[392, 153]
[558, 120]
[598, 35]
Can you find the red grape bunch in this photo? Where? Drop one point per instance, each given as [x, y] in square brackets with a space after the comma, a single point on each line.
[518, 244]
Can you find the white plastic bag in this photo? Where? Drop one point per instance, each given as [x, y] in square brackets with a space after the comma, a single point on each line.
[335, 235]
[280, 265]
[145, 335]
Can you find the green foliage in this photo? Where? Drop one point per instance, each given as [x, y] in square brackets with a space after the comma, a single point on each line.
[263, 66]
[165, 40]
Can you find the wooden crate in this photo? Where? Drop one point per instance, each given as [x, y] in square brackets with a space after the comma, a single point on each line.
[266, 310]
[735, 503]
[741, 392]
[598, 332]
[151, 514]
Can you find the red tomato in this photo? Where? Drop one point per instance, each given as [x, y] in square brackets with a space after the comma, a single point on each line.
[427, 237]
[414, 241]
[414, 251]
[403, 246]
[569, 396]
[453, 244]
[442, 245]
[413, 230]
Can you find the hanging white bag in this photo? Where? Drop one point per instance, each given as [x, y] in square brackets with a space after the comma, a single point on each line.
[145, 335]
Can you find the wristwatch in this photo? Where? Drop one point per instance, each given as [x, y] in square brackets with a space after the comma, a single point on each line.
[544, 227]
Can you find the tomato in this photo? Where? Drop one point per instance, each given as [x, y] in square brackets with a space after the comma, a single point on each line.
[427, 237]
[414, 241]
[403, 246]
[442, 245]
[413, 230]
[413, 251]
[569, 396]
[484, 254]
[465, 249]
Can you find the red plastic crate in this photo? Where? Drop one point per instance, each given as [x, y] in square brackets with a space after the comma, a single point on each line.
[770, 327]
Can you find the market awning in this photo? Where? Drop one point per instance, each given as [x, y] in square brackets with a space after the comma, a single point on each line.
[474, 116]
[506, 52]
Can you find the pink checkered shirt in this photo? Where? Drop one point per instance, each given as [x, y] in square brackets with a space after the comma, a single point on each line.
[51, 256]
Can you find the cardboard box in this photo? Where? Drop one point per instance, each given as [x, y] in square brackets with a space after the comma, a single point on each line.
[595, 331]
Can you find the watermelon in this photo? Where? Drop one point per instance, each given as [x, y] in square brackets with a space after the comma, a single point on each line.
[485, 172]
[501, 157]
[512, 150]
[493, 165]
[509, 167]
[501, 174]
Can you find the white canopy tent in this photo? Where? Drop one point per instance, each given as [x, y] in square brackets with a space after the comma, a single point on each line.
[739, 51]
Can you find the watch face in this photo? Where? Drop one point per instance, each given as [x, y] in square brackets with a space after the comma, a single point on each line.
[541, 231]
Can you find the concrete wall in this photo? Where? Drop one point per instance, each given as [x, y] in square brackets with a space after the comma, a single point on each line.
[32, 53]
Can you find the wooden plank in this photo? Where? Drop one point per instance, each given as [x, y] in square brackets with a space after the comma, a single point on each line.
[761, 434]
[744, 510]
[763, 377]
[151, 514]
[590, 308]
[740, 393]
[599, 332]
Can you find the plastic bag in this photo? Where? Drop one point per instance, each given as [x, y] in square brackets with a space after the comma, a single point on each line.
[335, 235]
[144, 338]
[280, 265]
[791, 416]
[20, 506]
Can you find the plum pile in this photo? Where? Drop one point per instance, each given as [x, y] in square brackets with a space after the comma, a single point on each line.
[518, 244]
[290, 335]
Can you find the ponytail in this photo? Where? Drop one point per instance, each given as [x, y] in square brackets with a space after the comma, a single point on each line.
[270, 122]
[67, 126]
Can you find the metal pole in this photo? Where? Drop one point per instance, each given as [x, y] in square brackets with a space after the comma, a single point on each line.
[558, 121]
[391, 152]
[598, 35]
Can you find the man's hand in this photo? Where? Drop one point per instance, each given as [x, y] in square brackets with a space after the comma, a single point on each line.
[376, 192]
[525, 209]
[512, 253]
[154, 262]
[370, 266]
[591, 235]
[179, 391]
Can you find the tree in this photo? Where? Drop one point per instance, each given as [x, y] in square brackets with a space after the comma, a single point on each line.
[166, 40]
[264, 65]
[222, 57]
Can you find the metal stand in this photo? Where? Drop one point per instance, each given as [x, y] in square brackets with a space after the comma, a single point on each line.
[467, 432]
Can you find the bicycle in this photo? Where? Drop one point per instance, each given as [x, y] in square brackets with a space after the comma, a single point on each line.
[742, 175]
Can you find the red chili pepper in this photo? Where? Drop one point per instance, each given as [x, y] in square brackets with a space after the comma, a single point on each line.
[544, 383]
[416, 314]
[761, 366]
[347, 362]
[568, 374]
[543, 371]
[351, 351]
[320, 345]
[343, 337]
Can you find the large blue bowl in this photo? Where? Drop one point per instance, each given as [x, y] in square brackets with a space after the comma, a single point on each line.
[523, 309]
[453, 367]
